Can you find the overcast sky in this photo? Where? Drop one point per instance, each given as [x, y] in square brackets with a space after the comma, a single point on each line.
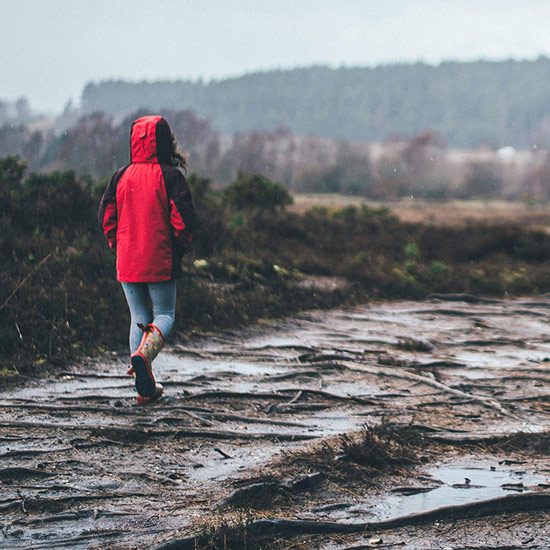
[51, 48]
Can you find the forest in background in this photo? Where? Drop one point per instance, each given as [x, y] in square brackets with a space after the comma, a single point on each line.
[383, 133]
[468, 104]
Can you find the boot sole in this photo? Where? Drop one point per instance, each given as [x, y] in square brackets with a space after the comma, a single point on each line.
[155, 397]
[145, 385]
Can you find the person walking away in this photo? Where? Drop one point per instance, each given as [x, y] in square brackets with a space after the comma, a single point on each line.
[147, 216]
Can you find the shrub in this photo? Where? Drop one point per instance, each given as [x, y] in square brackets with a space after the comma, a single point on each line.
[438, 268]
[256, 192]
[412, 251]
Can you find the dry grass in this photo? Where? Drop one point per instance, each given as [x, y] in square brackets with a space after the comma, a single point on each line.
[447, 213]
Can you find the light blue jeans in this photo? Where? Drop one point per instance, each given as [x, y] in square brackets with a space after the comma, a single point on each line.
[163, 300]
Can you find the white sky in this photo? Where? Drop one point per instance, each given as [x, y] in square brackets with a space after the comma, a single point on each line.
[49, 49]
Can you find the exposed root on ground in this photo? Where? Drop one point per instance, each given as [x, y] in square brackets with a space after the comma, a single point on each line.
[253, 531]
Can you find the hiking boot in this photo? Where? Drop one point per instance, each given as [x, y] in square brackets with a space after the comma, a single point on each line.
[146, 400]
[147, 388]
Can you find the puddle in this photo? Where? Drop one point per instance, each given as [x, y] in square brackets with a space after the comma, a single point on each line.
[207, 465]
[476, 374]
[524, 427]
[483, 483]
[483, 359]
[193, 367]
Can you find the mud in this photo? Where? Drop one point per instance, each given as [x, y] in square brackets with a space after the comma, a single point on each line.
[83, 467]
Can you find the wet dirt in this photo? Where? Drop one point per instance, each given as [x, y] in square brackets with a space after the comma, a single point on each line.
[83, 467]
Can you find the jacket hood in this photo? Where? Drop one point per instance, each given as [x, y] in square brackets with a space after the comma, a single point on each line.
[150, 140]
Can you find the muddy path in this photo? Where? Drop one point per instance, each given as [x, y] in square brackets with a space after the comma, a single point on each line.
[250, 430]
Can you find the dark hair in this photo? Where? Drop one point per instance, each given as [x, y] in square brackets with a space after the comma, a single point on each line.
[168, 150]
[177, 158]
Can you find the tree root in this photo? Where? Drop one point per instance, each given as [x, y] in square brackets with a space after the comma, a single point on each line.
[74, 542]
[292, 408]
[293, 374]
[252, 419]
[468, 298]
[395, 373]
[493, 439]
[279, 395]
[59, 503]
[18, 472]
[235, 395]
[206, 434]
[32, 452]
[268, 489]
[119, 433]
[517, 503]
[79, 514]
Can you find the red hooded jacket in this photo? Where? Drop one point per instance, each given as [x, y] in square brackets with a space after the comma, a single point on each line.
[146, 211]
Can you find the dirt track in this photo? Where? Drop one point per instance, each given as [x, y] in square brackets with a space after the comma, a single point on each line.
[82, 467]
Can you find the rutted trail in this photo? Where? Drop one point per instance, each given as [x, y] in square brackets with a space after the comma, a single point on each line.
[82, 467]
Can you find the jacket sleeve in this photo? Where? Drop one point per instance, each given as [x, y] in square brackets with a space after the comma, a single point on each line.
[107, 215]
[182, 213]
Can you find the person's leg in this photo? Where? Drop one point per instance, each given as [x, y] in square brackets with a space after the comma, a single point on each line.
[137, 297]
[148, 338]
[163, 297]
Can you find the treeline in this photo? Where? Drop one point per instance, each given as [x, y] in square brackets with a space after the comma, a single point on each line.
[467, 103]
[16, 112]
[251, 259]
[420, 166]
[94, 144]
